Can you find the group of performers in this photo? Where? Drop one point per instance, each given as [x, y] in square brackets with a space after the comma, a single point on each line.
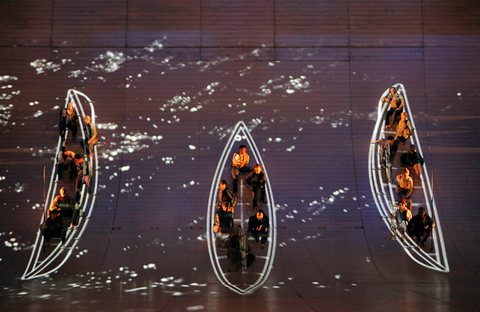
[420, 226]
[64, 210]
[258, 224]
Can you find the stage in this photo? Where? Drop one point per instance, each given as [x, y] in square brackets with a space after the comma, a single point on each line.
[170, 81]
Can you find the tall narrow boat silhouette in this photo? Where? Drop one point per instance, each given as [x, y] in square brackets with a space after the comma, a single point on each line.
[249, 279]
[42, 262]
[433, 256]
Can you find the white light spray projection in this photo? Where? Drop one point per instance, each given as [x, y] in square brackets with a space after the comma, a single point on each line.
[192, 101]
[238, 134]
[129, 143]
[41, 263]
[42, 65]
[385, 197]
[108, 62]
[7, 92]
[309, 211]
[10, 241]
[131, 282]
[5, 114]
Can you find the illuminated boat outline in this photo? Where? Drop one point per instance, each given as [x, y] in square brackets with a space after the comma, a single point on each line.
[384, 192]
[56, 258]
[240, 132]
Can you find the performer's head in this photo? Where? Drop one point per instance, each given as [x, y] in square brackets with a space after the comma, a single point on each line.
[225, 206]
[421, 211]
[242, 149]
[223, 185]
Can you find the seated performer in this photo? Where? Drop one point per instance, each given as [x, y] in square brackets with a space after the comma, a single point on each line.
[401, 217]
[238, 251]
[63, 204]
[84, 174]
[223, 219]
[68, 119]
[239, 164]
[223, 225]
[388, 150]
[66, 161]
[420, 227]
[91, 136]
[256, 179]
[396, 101]
[225, 195]
[258, 226]
[405, 187]
[53, 227]
[404, 130]
[413, 159]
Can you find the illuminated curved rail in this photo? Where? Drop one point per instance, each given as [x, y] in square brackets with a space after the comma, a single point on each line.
[38, 266]
[239, 133]
[384, 194]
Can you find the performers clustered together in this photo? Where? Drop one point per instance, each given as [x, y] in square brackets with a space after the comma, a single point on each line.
[258, 225]
[420, 226]
[64, 212]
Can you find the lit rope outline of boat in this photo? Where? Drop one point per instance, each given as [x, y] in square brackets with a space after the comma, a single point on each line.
[57, 258]
[384, 192]
[241, 132]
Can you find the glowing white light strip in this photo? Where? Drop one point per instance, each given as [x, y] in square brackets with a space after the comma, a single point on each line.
[384, 197]
[242, 131]
[36, 268]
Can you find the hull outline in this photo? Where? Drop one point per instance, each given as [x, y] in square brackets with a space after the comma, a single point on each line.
[54, 260]
[239, 129]
[384, 194]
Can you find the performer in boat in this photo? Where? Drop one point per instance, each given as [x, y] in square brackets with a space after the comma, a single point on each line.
[239, 164]
[223, 225]
[68, 119]
[396, 101]
[84, 171]
[258, 226]
[413, 159]
[256, 179]
[63, 204]
[401, 217]
[223, 219]
[405, 187]
[225, 195]
[420, 227]
[387, 150]
[91, 136]
[238, 251]
[53, 227]
[404, 129]
[66, 161]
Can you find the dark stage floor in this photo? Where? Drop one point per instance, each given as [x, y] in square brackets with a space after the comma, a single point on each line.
[171, 79]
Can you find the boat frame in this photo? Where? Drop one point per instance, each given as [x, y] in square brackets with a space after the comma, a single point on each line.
[55, 259]
[384, 191]
[240, 132]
